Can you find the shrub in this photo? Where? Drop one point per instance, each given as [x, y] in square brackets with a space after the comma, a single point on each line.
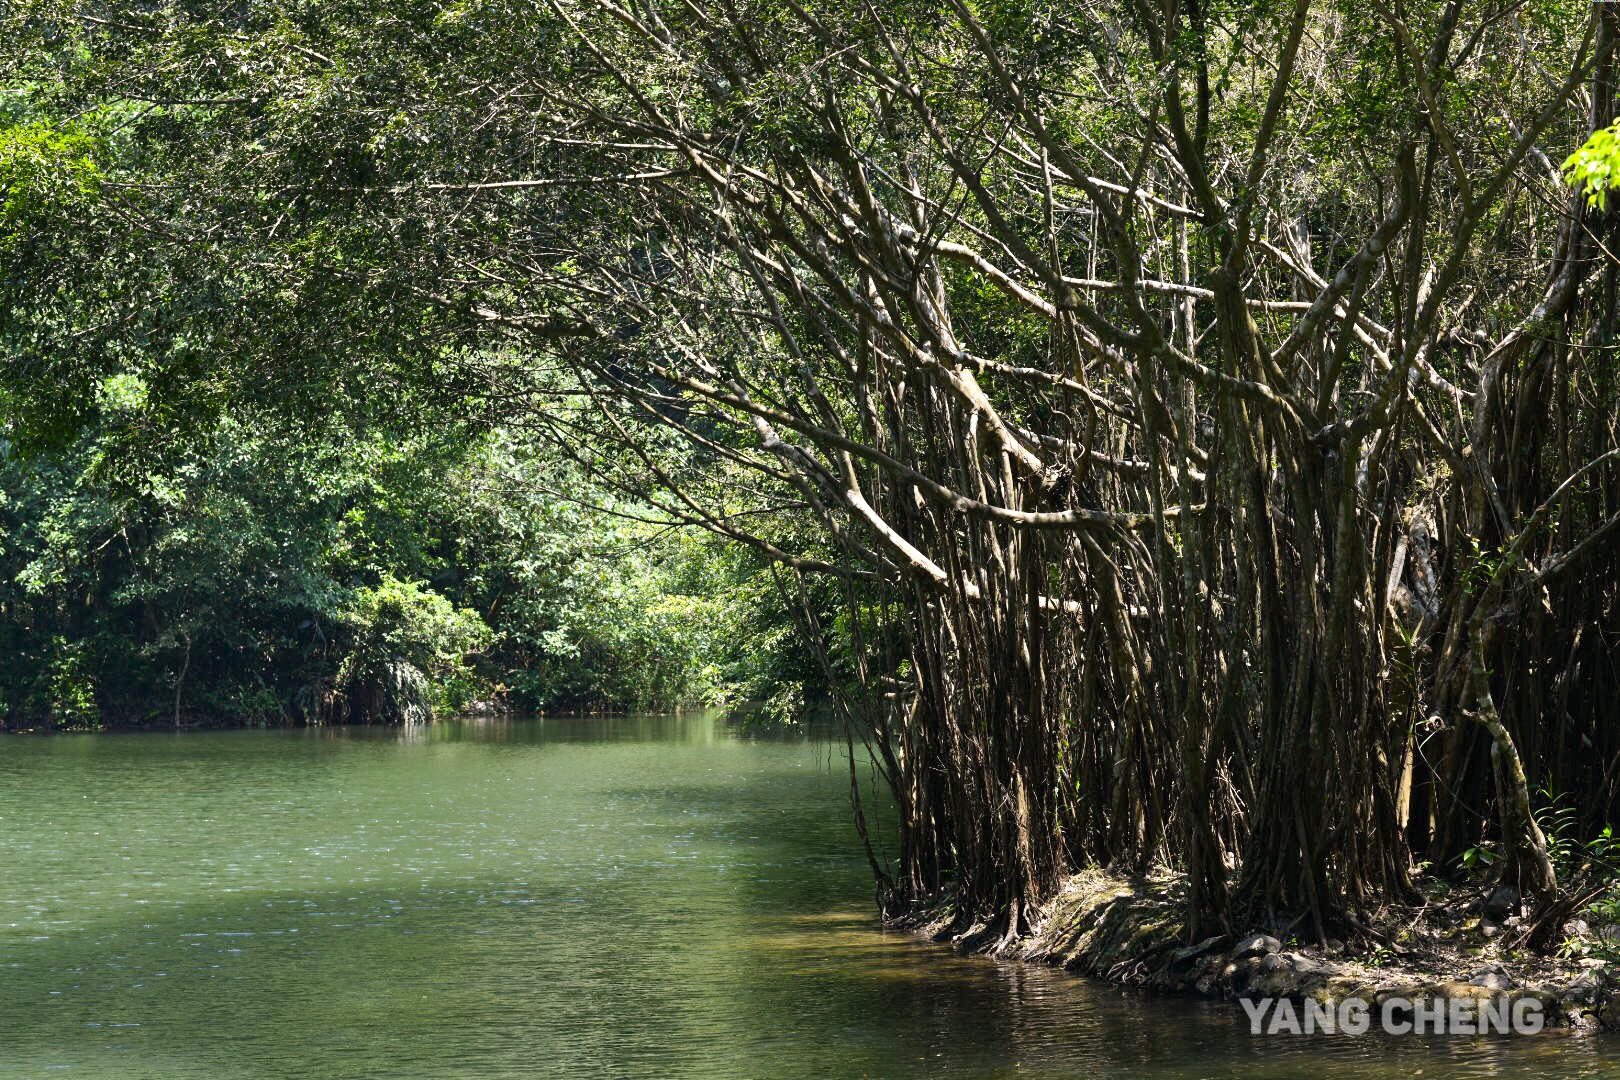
[407, 654]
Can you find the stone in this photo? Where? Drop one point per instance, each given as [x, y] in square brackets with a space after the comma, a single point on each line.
[1258, 945]
[1190, 951]
[1302, 965]
[1494, 978]
[1583, 990]
[1270, 963]
[1503, 901]
[1576, 928]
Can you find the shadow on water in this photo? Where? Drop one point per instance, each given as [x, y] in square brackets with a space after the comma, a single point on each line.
[641, 897]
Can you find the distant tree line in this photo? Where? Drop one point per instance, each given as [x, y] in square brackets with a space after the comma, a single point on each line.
[273, 575]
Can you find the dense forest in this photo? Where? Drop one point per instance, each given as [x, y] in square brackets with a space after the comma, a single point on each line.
[272, 573]
[1179, 433]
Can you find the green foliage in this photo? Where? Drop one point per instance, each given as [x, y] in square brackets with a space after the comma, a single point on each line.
[70, 691]
[1479, 858]
[1477, 566]
[1558, 817]
[406, 652]
[1604, 851]
[1595, 167]
[44, 172]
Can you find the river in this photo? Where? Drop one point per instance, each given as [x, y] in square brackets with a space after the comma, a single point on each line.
[653, 897]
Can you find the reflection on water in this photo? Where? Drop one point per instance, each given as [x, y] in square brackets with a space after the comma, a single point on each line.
[649, 897]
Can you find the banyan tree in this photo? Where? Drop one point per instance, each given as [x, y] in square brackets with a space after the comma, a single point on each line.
[1203, 412]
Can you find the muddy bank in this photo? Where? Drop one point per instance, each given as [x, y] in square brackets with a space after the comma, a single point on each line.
[1133, 931]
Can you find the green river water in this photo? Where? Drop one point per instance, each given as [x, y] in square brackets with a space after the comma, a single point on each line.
[641, 898]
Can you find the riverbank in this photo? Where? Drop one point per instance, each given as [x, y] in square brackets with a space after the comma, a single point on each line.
[194, 721]
[1459, 945]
